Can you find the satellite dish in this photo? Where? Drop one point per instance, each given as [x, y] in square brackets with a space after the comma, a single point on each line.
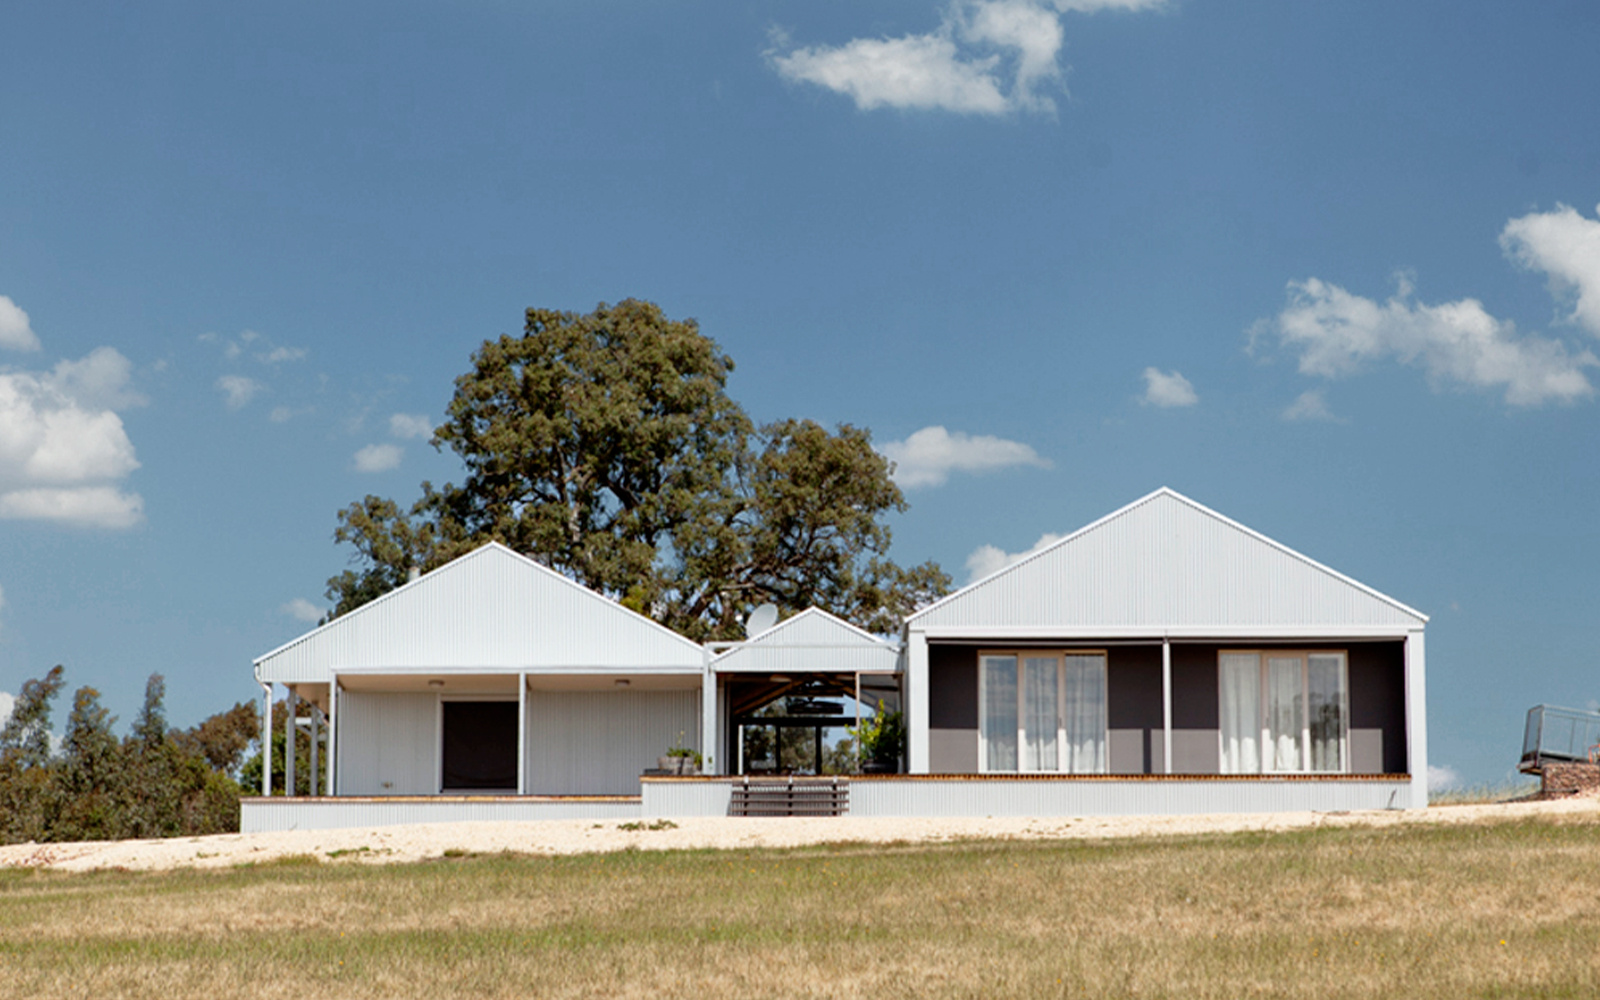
[761, 619]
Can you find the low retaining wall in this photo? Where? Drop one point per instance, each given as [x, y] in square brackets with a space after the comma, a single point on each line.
[1557, 781]
[1067, 795]
[259, 815]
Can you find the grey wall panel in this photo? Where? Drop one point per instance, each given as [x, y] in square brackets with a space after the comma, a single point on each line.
[1194, 687]
[1125, 751]
[1378, 698]
[953, 687]
[388, 743]
[1366, 751]
[599, 742]
[953, 751]
[1196, 751]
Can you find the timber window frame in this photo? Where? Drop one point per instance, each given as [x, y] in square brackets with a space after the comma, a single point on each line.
[1042, 711]
[1283, 711]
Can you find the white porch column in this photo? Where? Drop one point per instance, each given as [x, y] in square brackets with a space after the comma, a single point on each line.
[333, 731]
[266, 739]
[917, 703]
[522, 734]
[1417, 719]
[709, 764]
[1166, 705]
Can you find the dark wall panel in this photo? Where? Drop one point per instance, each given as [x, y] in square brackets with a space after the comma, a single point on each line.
[1378, 696]
[953, 687]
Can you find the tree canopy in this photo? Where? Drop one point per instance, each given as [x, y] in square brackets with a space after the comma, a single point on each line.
[605, 445]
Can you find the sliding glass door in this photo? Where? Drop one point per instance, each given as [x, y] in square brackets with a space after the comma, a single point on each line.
[1042, 711]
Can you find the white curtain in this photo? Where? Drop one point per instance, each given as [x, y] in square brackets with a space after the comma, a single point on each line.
[1325, 683]
[1085, 723]
[1041, 712]
[1000, 712]
[1285, 713]
[1240, 709]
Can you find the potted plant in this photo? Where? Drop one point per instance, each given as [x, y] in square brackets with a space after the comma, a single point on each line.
[680, 759]
[882, 738]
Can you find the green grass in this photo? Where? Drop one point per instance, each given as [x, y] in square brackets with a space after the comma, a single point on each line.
[1489, 910]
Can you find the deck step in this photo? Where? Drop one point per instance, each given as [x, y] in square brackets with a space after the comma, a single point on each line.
[790, 797]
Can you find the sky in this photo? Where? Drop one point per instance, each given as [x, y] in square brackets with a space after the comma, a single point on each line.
[1332, 270]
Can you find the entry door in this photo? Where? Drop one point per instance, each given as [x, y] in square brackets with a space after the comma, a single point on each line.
[479, 746]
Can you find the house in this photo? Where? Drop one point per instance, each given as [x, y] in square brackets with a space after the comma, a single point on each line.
[1161, 659]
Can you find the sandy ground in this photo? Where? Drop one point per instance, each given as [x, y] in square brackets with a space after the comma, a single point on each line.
[389, 844]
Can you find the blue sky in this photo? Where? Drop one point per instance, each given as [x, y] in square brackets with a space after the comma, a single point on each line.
[1331, 269]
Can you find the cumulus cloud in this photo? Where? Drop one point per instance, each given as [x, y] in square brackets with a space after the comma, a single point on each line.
[1337, 333]
[987, 559]
[1442, 778]
[238, 390]
[301, 609]
[410, 425]
[63, 448]
[1566, 246]
[928, 457]
[278, 355]
[1167, 389]
[1309, 405]
[15, 332]
[378, 458]
[988, 57]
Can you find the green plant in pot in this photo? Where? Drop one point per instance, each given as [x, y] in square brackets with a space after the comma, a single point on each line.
[680, 759]
[882, 738]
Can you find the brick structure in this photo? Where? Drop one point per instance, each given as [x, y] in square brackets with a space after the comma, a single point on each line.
[1557, 781]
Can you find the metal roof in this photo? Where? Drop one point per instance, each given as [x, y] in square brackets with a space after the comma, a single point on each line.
[813, 641]
[1166, 562]
[491, 609]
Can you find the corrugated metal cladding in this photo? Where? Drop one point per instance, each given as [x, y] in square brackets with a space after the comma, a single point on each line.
[1166, 562]
[811, 642]
[272, 815]
[599, 742]
[388, 743]
[492, 608]
[955, 797]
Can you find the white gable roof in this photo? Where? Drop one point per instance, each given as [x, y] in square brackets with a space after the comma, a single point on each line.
[813, 641]
[1166, 563]
[491, 609]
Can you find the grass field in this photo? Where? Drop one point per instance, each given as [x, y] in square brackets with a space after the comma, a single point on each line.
[1488, 910]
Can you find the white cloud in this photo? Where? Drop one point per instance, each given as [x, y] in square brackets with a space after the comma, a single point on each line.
[63, 447]
[410, 425]
[8, 701]
[1309, 405]
[281, 354]
[238, 390]
[378, 457]
[987, 559]
[927, 457]
[1460, 343]
[1167, 389]
[87, 506]
[302, 610]
[15, 332]
[989, 57]
[1442, 778]
[1566, 246]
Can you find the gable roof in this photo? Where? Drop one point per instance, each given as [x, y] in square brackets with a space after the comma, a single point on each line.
[491, 609]
[1166, 562]
[812, 641]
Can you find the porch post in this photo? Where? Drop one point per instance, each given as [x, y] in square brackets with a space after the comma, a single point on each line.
[292, 703]
[1166, 705]
[522, 734]
[333, 731]
[1417, 719]
[708, 720]
[266, 739]
[916, 682]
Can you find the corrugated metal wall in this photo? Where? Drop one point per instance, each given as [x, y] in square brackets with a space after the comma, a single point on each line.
[599, 742]
[811, 642]
[268, 815]
[489, 609]
[1165, 562]
[388, 743]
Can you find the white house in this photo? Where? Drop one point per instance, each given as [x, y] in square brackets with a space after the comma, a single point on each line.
[1161, 659]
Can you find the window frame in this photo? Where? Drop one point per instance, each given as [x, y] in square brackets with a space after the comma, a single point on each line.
[1264, 656]
[1021, 654]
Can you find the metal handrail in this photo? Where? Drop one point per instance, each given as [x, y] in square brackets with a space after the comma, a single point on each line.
[1554, 733]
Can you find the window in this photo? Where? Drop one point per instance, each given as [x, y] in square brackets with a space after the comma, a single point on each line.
[1042, 710]
[1283, 711]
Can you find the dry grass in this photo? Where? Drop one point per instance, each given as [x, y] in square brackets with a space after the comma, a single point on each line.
[1482, 910]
